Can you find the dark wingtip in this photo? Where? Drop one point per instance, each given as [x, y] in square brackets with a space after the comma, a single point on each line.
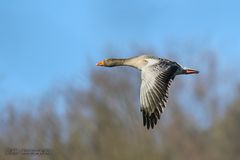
[144, 118]
[148, 123]
[152, 124]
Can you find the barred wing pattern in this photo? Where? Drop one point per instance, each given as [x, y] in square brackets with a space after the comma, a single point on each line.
[156, 80]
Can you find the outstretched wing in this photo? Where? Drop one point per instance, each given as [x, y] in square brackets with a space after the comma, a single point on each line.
[156, 80]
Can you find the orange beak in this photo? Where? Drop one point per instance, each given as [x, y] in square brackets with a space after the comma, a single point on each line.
[191, 71]
[101, 63]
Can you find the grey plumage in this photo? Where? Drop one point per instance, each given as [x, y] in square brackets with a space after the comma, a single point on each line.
[156, 80]
[156, 77]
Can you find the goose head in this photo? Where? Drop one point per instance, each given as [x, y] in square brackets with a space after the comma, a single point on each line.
[138, 62]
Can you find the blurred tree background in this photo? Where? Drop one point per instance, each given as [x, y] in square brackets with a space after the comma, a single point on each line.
[54, 97]
[103, 121]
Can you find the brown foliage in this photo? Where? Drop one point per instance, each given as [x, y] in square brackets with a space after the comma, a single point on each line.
[104, 122]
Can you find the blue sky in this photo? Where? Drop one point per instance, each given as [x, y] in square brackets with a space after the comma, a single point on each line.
[43, 43]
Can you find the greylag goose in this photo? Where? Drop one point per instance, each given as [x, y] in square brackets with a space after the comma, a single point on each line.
[156, 76]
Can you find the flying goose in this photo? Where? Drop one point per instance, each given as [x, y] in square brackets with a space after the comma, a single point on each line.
[156, 77]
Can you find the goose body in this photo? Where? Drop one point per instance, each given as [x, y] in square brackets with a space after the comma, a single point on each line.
[156, 77]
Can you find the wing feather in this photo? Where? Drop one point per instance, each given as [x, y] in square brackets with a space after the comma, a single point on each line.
[154, 92]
